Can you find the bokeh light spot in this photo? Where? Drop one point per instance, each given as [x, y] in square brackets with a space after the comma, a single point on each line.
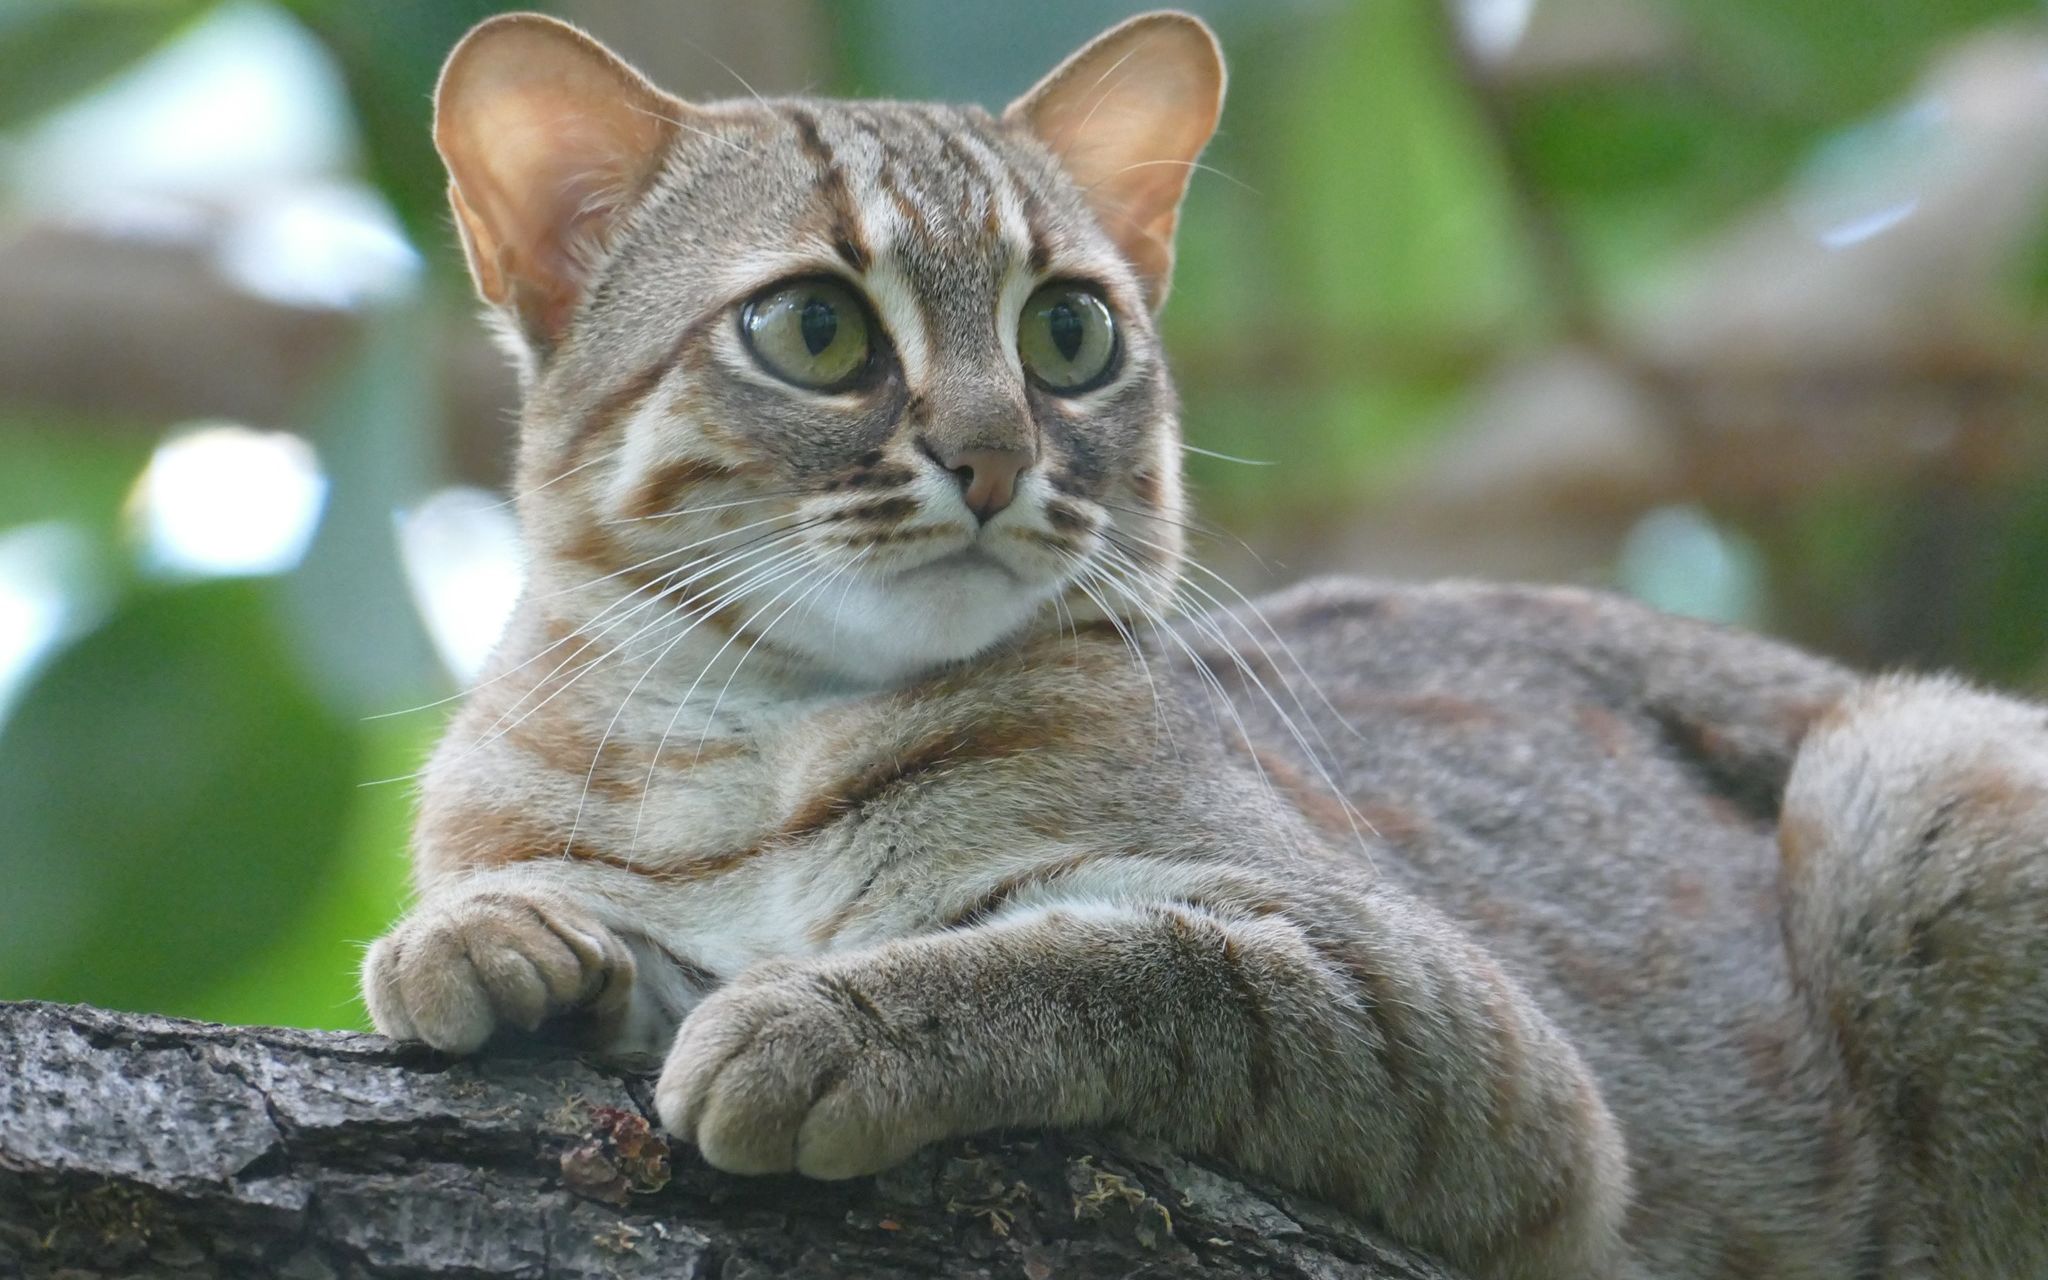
[222, 500]
[461, 553]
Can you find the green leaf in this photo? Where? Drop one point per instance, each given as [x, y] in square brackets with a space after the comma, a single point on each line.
[1402, 219]
[1639, 170]
[62, 466]
[308, 978]
[174, 795]
[57, 50]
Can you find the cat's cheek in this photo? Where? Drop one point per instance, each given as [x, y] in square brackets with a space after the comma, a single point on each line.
[780, 1075]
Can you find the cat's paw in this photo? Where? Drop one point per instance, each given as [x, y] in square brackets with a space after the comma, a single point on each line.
[452, 973]
[793, 1068]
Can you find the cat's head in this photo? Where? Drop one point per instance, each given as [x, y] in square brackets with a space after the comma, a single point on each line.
[878, 380]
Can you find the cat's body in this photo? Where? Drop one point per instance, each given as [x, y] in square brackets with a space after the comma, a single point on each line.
[1558, 936]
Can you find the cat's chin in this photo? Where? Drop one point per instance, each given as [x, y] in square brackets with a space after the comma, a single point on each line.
[890, 629]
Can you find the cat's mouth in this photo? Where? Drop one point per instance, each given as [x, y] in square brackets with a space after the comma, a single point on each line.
[970, 559]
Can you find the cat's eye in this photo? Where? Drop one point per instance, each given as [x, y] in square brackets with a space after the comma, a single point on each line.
[1067, 339]
[814, 333]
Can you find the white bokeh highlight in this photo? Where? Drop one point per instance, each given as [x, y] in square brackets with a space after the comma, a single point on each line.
[463, 565]
[330, 245]
[1493, 28]
[222, 500]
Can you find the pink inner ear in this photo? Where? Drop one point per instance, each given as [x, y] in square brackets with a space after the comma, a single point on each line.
[546, 136]
[1127, 116]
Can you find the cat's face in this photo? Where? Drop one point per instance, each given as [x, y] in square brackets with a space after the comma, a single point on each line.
[877, 381]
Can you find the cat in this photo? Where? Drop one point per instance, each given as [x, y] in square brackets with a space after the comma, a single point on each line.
[842, 749]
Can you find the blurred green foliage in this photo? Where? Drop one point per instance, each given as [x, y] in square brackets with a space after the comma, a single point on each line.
[186, 825]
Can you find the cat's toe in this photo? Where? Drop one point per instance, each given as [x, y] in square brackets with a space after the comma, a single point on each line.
[768, 1077]
[851, 1132]
[456, 975]
[738, 1082]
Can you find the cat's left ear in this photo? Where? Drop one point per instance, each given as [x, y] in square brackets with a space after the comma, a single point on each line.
[1127, 115]
[548, 137]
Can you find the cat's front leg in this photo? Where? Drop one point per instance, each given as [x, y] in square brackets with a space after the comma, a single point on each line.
[1382, 1061]
[464, 965]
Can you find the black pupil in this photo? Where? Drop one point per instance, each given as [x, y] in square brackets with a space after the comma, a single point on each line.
[1063, 321]
[819, 323]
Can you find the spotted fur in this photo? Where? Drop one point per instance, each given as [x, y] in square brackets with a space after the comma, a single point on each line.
[1557, 936]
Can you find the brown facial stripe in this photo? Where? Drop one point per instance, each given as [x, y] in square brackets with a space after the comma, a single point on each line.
[1053, 540]
[1066, 482]
[847, 240]
[870, 477]
[592, 544]
[615, 408]
[920, 534]
[654, 495]
[906, 208]
[885, 509]
[619, 405]
[1146, 487]
[1100, 629]
[1067, 517]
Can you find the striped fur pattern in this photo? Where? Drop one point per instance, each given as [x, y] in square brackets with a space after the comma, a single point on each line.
[1554, 935]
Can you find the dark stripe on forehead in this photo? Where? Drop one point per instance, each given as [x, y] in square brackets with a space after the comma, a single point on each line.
[847, 240]
[912, 213]
[1027, 199]
[946, 127]
[890, 167]
[1034, 224]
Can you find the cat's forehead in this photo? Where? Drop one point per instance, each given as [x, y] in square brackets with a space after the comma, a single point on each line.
[919, 183]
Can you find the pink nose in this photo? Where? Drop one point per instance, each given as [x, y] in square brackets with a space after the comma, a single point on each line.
[988, 477]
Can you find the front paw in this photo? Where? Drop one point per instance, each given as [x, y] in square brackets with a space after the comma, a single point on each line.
[798, 1069]
[454, 972]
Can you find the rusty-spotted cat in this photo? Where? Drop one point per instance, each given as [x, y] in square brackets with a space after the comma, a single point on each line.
[841, 745]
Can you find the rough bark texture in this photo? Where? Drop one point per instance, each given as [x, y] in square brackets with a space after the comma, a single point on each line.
[145, 1146]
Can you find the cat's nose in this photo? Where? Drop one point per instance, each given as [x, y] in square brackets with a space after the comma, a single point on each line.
[988, 477]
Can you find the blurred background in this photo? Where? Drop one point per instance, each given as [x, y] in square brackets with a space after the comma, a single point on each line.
[1740, 306]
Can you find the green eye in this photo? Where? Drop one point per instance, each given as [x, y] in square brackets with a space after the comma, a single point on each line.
[1066, 338]
[813, 333]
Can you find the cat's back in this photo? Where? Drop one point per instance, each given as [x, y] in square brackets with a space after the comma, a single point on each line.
[1590, 787]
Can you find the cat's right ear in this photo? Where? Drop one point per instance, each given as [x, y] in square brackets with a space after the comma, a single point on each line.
[1127, 115]
[547, 137]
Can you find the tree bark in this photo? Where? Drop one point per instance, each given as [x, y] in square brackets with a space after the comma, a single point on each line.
[144, 1146]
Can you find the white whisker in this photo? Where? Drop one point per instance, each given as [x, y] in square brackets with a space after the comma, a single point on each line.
[1213, 632]
[576, 823]
[1228, 457]
[687, 127]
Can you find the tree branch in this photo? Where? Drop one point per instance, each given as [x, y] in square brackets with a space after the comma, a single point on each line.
[138, 1145]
